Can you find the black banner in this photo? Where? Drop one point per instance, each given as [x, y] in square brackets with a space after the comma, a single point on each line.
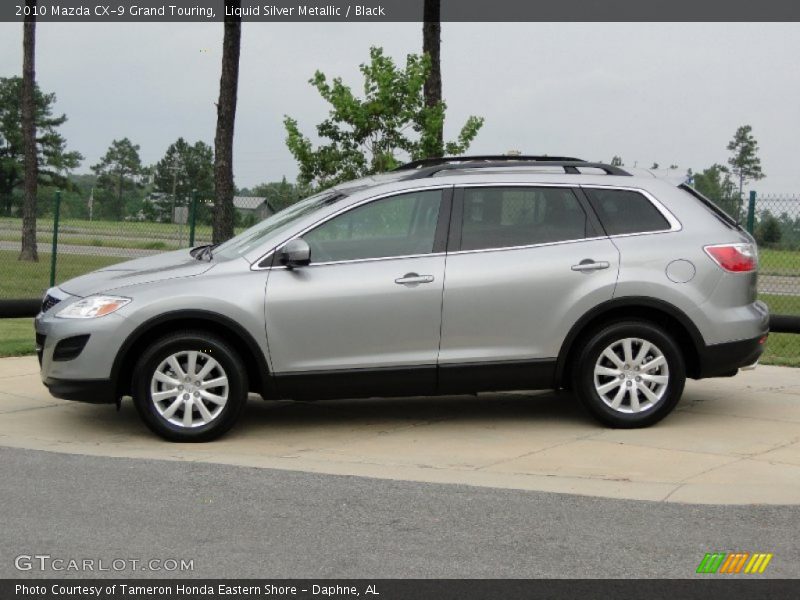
[388, 589]
[275, 11]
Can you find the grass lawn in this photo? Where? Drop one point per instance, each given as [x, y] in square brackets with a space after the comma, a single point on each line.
[16, 337]
[782, 349]
[778, 262]
[782, 305]
[11, 227]
[29, 280]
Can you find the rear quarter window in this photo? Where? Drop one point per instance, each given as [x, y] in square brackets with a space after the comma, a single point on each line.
[626, 211]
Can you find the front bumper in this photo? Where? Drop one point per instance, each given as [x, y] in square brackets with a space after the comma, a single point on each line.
[76, 356]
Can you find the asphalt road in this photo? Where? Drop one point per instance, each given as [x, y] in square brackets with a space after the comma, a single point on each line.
[244, 522]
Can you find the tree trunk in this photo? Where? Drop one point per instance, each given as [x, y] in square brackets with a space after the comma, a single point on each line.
[431, 45]
[226, 117]
[28, 108]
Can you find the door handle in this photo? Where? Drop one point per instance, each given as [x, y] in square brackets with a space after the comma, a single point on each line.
[413, 279]
[588, 264]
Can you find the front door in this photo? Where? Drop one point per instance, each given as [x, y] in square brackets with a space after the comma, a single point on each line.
[364, 317]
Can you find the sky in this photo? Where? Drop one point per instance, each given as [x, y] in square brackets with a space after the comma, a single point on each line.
[672, 93]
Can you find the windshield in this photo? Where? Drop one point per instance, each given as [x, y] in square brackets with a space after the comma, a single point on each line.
[252, 238]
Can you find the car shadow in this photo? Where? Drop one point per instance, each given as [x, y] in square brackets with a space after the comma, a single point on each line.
[489, 408]
[270, 417]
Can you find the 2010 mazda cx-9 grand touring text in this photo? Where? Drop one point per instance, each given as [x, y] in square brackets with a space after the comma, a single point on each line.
[445, 276]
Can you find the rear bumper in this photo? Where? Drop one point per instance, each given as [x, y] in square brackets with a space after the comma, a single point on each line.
[93, 391]
[721, 360]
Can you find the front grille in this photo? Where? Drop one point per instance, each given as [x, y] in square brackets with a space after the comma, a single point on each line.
[49, 302]
[40, 339]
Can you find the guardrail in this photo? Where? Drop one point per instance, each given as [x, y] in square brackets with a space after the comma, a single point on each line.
[16, 309]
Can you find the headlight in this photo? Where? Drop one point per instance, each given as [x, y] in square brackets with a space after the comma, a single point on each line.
[93, 306]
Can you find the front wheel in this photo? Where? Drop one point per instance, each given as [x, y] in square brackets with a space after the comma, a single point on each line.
[630, 374]
[189, 386]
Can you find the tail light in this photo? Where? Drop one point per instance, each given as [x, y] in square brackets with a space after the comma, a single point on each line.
[735, 258]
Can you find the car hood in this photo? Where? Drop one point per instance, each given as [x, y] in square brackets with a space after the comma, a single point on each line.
[159, 267]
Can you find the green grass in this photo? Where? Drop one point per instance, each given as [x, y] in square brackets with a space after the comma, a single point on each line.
[29, 280]
[44, 241]
[16, 337]
[123, 229]
[782, 305]
[778, 262]
[782, 349]
[20, 279]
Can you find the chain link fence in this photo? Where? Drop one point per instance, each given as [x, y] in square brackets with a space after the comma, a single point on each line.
[774, 220]
[70, 245]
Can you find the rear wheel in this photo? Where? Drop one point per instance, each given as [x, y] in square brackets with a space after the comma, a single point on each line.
[630, 374]
[189, 387]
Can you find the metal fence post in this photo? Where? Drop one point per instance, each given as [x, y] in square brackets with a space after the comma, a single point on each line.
[751, 212]
[192, 217]
[54, 248]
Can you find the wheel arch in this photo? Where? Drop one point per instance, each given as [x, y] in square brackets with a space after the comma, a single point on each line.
[237, 336]
[671, 318]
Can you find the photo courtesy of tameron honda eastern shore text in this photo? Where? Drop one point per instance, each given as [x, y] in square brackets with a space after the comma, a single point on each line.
[445, 276]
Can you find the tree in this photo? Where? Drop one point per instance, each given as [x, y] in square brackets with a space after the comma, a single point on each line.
[431, 47]
[281, 194]
[768, 232]
[119, 171]
[715, 184]
[53, 160]
[185, 169]
[226, 116]
[744, 162]
[28, 109]
[616, 161]
[367, 135]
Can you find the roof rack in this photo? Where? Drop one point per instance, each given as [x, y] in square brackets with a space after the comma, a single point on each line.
[427, 167]
[432, 162]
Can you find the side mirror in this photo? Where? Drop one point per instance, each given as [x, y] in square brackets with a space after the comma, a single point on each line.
[296, 253]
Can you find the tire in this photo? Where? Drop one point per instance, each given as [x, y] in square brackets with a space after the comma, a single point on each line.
[631, 390]
[163, 390]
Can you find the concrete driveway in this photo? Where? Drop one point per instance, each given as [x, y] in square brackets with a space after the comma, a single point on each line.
[731, 441]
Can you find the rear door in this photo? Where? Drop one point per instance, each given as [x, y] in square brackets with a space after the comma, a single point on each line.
[525, 263]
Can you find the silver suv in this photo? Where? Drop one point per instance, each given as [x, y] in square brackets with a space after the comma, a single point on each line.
[447, 276]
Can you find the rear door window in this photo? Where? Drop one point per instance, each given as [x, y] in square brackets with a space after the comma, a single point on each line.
[626, 211]
[506, 217]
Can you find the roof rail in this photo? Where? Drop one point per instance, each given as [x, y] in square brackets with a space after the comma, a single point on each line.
[432, 162]
[429, 167]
